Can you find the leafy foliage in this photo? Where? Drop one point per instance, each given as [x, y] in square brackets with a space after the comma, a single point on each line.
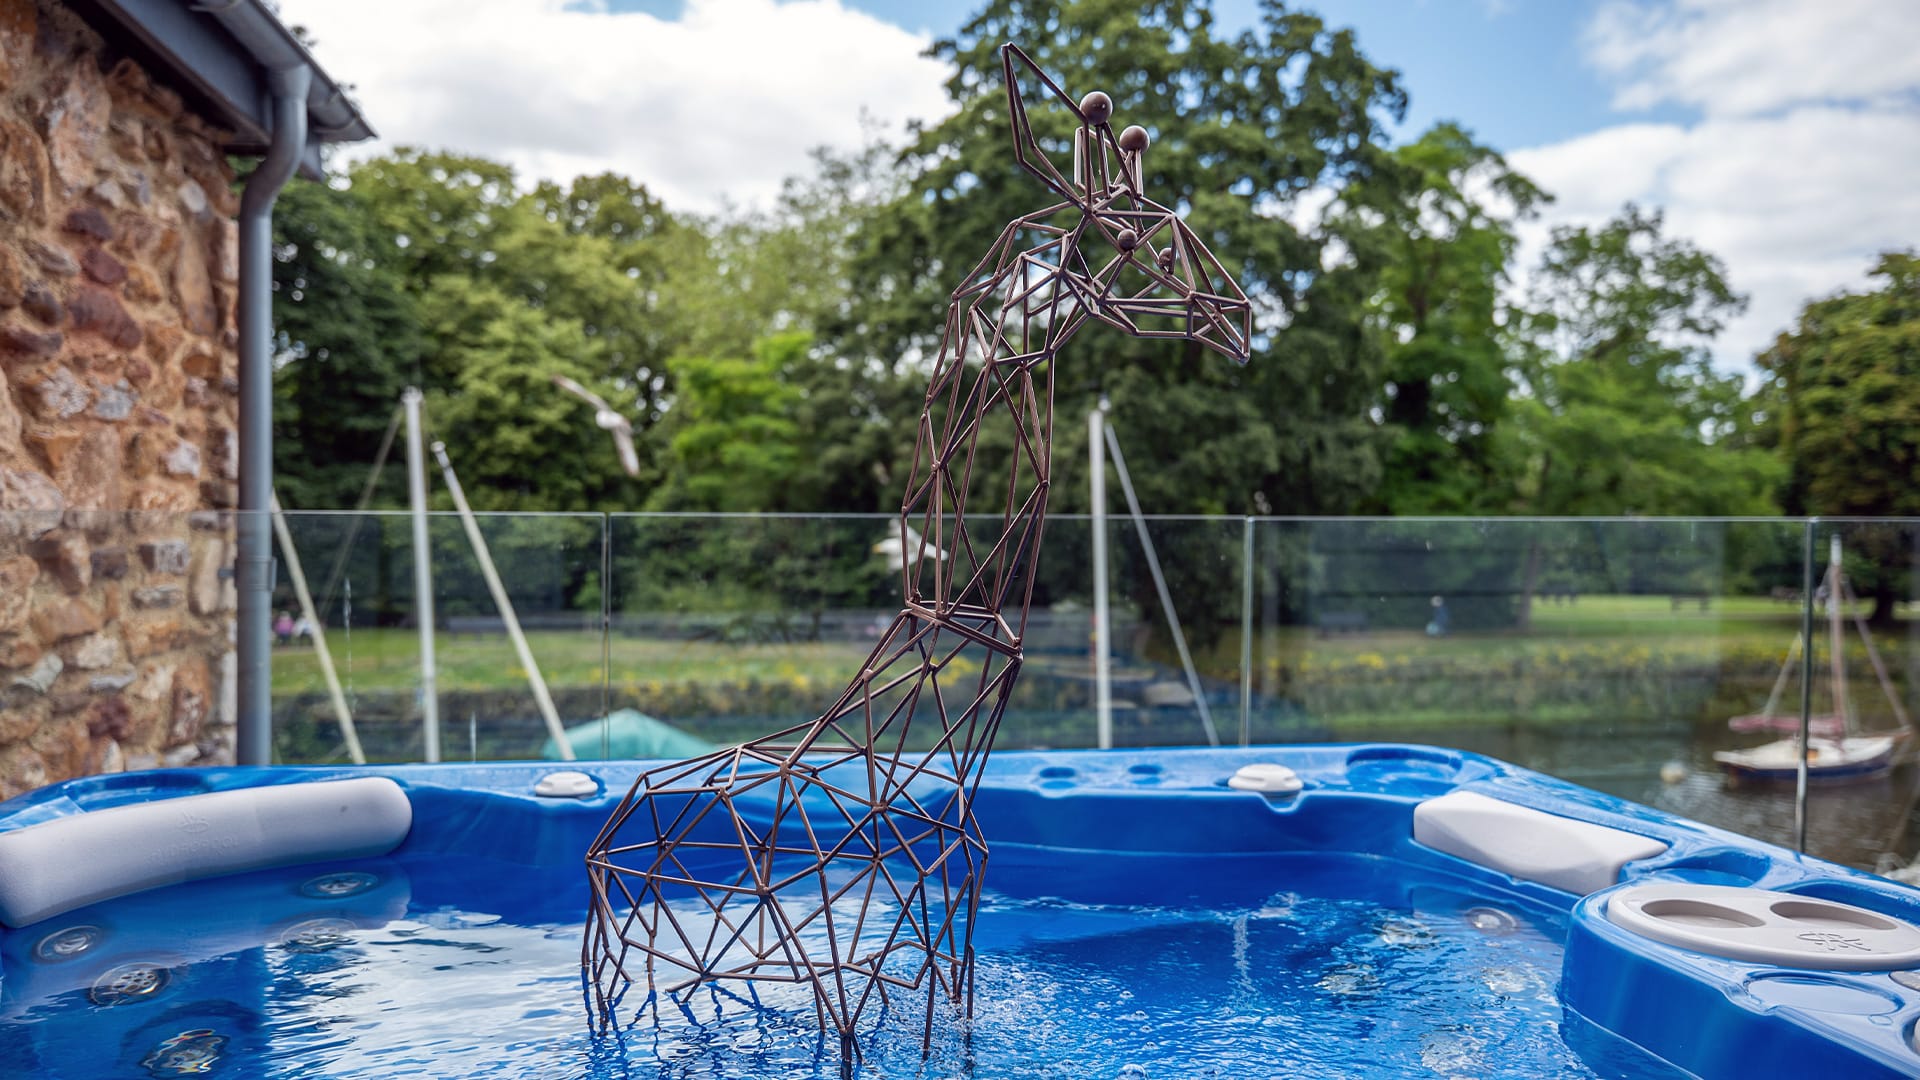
[1621, 411]
[435, 270]
[1243, 126]
[1437, 221]
[731, 436]
[349, 340]
[1846, 414]
[773, 358]
[1847, 379]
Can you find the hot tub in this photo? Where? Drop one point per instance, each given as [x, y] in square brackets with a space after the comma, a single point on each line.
[1407, 911]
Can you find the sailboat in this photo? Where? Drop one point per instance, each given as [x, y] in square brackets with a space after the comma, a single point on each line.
[1834, 750]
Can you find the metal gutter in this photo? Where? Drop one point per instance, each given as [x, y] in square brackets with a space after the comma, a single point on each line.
[220, 54]
[236, 65]
[330, 116]
[253, 560]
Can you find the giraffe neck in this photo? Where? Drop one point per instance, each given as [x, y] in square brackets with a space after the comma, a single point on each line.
[987, 575]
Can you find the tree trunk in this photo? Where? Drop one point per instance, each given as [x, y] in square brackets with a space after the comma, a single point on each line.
[1530, 576]
[1529, 581]
[1884, 598]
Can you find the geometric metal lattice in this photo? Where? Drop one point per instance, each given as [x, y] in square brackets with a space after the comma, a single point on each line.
[843, 854]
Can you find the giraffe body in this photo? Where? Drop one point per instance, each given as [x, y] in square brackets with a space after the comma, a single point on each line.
[843, 854]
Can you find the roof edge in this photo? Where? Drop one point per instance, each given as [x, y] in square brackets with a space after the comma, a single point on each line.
[224, 54]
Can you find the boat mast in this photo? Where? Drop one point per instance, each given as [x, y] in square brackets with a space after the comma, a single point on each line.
[1836, 591]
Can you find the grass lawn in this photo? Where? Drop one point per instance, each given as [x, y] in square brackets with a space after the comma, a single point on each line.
[387, 659]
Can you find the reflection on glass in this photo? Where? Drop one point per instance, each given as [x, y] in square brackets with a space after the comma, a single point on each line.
[1614, 653]
[1608, 652]
[1863, 662]
[359, 570]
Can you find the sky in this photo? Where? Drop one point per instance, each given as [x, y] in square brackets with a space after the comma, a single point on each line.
[1781, 135]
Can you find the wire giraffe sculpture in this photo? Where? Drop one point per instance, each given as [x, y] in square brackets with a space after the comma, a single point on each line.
[844, 853]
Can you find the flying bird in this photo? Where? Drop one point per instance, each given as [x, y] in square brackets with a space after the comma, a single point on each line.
[608, 421]
[898, 554]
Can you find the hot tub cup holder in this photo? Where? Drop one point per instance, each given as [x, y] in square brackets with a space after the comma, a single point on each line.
[566, 784]
[1763, 926]
[1058, 777]
[1267, 778]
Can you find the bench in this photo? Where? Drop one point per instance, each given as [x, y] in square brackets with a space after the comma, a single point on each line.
[1340, 622]
[494, 624]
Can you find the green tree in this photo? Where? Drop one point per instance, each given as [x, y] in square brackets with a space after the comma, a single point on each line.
[1242, 126]
[757, 284]
[732, 440]
[516, 442]
[760, 271]
[1620, 410]
[348, 341]
[1437, 217]
[509, 293]
[1844, 389]
[1847, 380]
[632, 325]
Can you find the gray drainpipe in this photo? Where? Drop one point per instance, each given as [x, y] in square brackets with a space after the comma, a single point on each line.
[253, 562]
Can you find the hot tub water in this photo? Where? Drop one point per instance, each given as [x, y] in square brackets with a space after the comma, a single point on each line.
[1428, 982]
[1144, 919]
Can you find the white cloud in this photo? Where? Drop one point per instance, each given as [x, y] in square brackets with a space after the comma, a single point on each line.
[1752, 56]
[1800, 169]
[719, 104]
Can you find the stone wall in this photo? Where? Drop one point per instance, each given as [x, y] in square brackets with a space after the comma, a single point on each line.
[118, 399]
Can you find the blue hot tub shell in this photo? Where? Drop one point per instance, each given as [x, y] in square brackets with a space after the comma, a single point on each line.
[1157, 827]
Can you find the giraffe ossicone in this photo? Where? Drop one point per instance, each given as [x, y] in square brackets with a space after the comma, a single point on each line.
[843, 855]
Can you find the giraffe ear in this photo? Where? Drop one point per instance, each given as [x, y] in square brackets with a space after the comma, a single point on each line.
[1026, 148]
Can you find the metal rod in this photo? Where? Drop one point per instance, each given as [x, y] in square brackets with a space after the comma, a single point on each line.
[1780, 680]
[422, 577]
[253, 552]
[345, 551]
[1806, 688]
[606, 635]
[1837, 636]
[1160, 586]
[1102, 621]
[307, 611]
[500, 600]
[1879, 665]
[1246, 634]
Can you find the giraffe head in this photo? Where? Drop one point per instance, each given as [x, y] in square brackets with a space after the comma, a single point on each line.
[1127, 261]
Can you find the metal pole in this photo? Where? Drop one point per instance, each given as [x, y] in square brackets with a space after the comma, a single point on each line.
[253, 551]
[422, 577]
[1160, 586]
[320, 651]
[541, 697]
[1879, 665]
[606, 634]
[1837, 635]
[1246, 634]
[1806, 688]
[1102, 627]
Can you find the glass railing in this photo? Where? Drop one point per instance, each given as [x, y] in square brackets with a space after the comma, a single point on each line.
[489, 702]
[1868, 645]
[1625, 655]
[1612, 653]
